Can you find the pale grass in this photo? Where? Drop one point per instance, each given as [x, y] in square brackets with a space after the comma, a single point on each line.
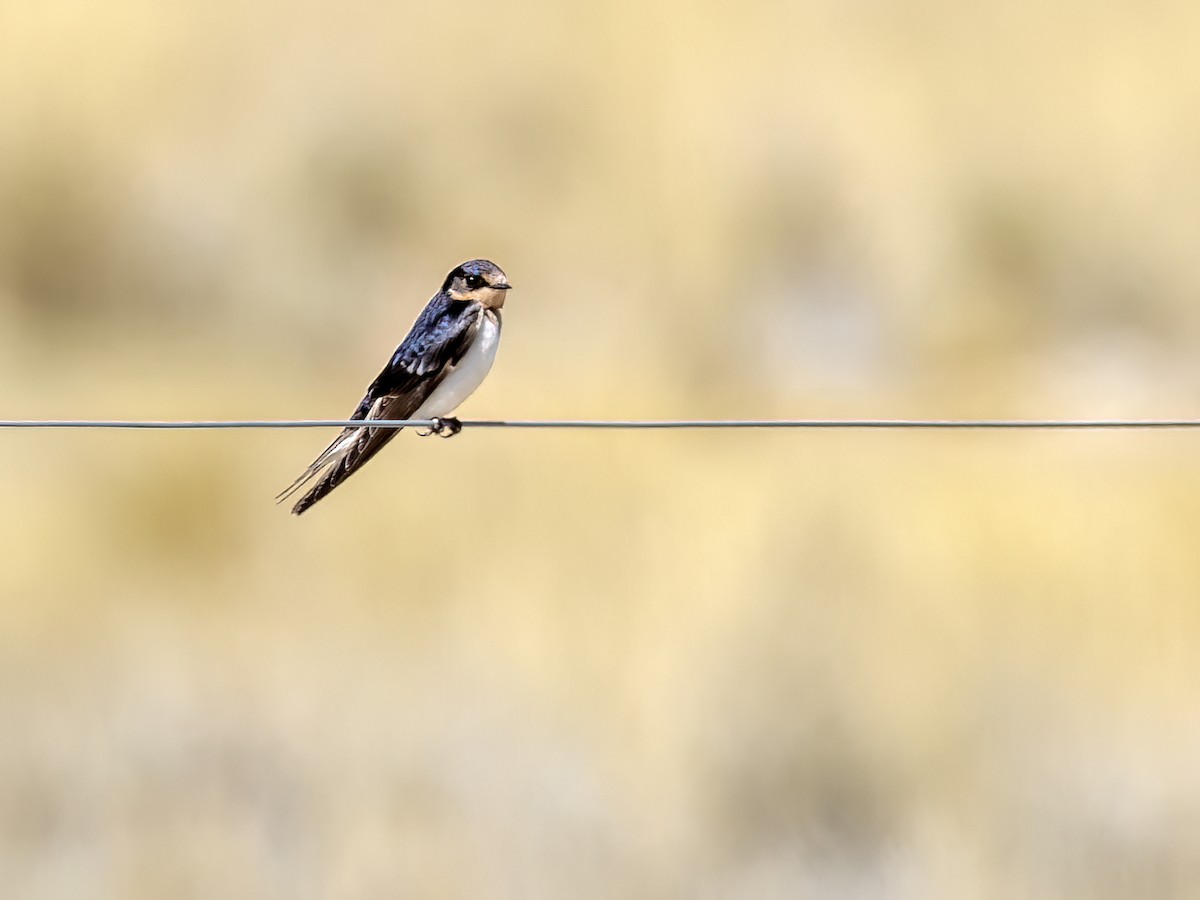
[531, 664]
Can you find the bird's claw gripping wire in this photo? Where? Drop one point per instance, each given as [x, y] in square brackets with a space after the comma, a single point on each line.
[443, 426]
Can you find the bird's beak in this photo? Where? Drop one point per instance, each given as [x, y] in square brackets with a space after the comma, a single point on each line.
[502, 287]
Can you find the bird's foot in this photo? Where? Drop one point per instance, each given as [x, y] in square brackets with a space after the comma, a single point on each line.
[446, 427]
[443, 426]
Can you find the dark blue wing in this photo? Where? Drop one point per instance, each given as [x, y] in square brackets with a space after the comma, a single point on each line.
[438, 340]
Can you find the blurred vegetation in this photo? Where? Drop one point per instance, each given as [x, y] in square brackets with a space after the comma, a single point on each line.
[638, 665]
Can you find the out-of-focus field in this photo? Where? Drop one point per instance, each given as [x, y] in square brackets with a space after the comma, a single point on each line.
[603, 664]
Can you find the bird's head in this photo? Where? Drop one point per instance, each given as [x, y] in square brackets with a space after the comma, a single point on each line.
[480, 280]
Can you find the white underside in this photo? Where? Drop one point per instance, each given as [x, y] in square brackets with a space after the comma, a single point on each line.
[467, 375]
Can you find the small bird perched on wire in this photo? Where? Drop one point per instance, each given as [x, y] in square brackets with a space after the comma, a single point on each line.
[441, 362]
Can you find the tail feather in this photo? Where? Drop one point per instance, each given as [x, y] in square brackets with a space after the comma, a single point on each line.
[367, 442]
[339, 444]
[356, 444]
[322, 487]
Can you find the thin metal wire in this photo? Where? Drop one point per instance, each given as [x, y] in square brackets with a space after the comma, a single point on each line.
[1031, 424]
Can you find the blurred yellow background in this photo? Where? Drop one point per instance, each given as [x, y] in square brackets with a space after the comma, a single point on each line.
[602, 664]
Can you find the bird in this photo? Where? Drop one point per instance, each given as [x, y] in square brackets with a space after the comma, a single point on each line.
[439, 364]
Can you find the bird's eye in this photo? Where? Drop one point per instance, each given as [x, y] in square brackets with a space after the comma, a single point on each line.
[474, 282]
